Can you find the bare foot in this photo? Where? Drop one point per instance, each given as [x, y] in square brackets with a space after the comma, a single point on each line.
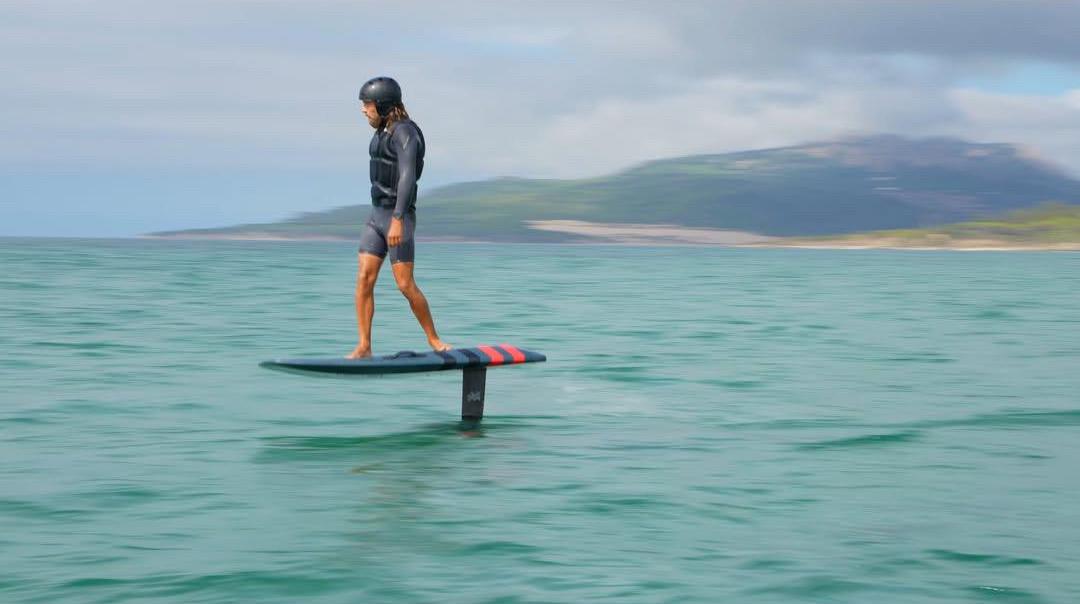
[438, 345]
[360, 352]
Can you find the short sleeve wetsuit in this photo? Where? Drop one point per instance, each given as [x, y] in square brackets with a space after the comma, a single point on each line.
[397, 161]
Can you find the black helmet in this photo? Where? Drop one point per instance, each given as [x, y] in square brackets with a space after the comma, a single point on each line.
[382, 91]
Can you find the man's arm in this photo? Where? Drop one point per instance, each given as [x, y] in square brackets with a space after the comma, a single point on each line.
[407, 145]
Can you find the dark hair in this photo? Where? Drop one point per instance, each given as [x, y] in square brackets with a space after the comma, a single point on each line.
[397, 113]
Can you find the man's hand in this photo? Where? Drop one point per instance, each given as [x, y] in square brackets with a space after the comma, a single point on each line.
[393, 237]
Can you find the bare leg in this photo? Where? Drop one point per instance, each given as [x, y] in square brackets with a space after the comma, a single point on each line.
[403, 274]
[369, 265]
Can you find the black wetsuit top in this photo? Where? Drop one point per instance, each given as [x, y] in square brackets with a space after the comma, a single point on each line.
[397, 160]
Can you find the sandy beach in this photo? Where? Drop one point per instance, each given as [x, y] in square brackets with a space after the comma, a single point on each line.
[667, 234]
[893, 243]
[671, 234]
[649, 234]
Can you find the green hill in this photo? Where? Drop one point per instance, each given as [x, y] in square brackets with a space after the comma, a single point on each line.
[1052, 225]
[846, 186]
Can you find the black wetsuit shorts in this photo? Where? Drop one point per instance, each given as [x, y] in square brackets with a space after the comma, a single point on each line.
[373, 239]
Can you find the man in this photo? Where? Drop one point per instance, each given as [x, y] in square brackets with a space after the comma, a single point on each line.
[397, 160]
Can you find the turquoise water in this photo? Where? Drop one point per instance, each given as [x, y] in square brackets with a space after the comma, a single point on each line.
[712, 425]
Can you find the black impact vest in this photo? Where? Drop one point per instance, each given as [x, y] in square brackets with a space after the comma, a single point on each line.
[397, 161]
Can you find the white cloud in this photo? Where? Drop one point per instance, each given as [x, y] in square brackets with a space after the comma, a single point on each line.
[558, 89]
[1050, 124]
[715, 116]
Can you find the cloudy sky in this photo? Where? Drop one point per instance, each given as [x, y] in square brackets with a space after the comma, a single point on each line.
[119, 117]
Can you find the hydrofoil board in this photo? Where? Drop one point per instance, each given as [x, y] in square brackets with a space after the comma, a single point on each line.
[408, 361]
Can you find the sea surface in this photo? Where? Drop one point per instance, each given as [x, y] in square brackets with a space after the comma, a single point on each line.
[712, 425]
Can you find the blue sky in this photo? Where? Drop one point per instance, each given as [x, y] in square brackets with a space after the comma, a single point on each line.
[123, 117]
[1028, 78]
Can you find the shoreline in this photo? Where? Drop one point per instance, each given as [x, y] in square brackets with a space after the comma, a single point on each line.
[580, 232]
[943, 244]
[1000, 247]
[957, 246]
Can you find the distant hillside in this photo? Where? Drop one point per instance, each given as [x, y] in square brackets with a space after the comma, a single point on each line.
[1049, 226]
[851, 185]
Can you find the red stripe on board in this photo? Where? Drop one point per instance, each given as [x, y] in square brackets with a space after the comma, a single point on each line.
[517, 355]
[496, 358]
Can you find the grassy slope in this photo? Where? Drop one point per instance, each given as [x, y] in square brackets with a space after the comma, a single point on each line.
[1049, 224]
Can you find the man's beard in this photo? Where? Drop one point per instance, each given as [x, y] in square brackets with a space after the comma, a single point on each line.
[376, 122]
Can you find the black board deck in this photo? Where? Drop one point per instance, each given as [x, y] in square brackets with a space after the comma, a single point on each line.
[408, 361]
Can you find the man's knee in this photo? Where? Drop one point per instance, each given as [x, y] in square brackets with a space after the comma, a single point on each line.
[408, 287]
[365, 283]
